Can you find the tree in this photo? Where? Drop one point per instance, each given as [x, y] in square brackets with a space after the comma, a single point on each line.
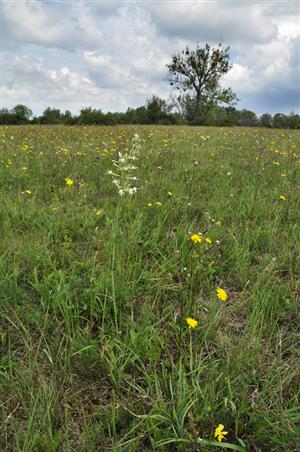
[6, 116]
[67, 118]
[266, 120]
[89, 115]
[199, 72]
[246, 118]
[158, 110]
[22, 114]
[51, 116]
[293, 121]
[280, 121]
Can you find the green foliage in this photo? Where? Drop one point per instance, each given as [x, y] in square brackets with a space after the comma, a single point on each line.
[178, 110]
[199, 72]
[20, 114]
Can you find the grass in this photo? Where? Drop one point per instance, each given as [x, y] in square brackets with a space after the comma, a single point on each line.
[95, 351]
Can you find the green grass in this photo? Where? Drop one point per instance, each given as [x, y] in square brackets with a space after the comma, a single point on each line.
[95, 352]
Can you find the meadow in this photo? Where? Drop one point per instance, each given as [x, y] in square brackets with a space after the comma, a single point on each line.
[148, 318]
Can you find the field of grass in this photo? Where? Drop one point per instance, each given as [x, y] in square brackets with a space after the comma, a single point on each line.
[95, 350]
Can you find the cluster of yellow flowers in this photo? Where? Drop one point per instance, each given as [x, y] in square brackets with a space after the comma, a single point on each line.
[69, 181]
[156, 203]
[220, 433]
[197, 238]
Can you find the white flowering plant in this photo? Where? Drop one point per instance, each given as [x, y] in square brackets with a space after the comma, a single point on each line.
[124, 177]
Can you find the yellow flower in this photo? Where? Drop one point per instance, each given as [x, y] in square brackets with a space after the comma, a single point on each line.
[28, 192]
[98, 213]
[24, 168]
[170, 194]
[220, 433]
[69, 181]
[158, 203]
[221, 294]
[196, 238]
[283, 198]
[149, 204]
[208, 240]
[283, 174]
[192, 323]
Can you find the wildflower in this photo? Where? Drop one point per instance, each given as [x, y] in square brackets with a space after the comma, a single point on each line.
[221, 294]
[69, 181]
[123, 176]
[132, 190]
[283, 175]
[196, 238]
[158, 203]
[28, 192]
[24, 168]
[220, 433]
[208, 240]
[170, 194]
[149, 204]
[192, 323]
[283, 198]
[98, 213]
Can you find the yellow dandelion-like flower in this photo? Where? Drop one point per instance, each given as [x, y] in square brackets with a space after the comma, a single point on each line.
[195, 238]
[283, 198]
[24, 168]
[69, 181]
[283, 174]
[192, 323]
[220, 433]
[149, 204]
[208, 240]
[28, 192]
[170, 194]
[221, 294]
[98, 213]
[158, 203]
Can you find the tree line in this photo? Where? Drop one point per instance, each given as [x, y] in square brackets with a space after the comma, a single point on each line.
[155, 111]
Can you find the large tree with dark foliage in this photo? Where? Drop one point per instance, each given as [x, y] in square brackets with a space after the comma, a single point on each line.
[198, 72]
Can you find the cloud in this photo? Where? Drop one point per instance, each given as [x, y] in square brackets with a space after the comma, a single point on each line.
[105, 72]
[239, 77]
[213, 21]
[28, 82]
[61, 25]
[113, 54]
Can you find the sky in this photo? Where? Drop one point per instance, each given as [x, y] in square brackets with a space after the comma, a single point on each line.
[113, 55]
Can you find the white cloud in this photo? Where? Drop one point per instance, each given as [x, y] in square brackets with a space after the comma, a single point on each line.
[62, 25]
[239, 77]
[105, 72]
[213, 21]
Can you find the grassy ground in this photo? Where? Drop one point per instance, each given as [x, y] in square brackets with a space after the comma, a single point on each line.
[95, 288]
